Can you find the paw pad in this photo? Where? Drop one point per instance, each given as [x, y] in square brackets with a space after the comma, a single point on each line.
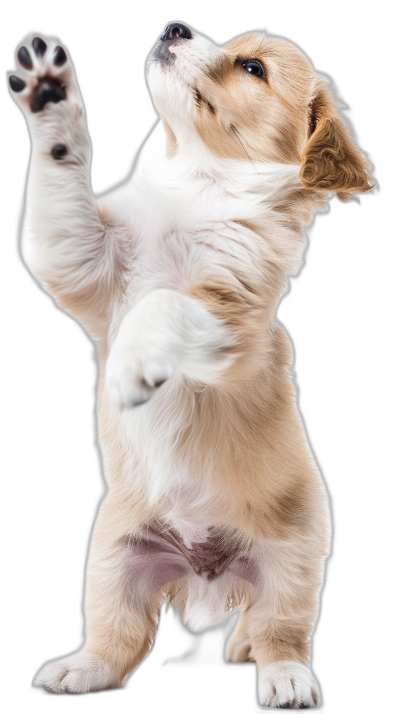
[16, 84]
[59, 151]
[47, 91]
[43, 61]
[39, 46]
[60, 57]
[24, 58]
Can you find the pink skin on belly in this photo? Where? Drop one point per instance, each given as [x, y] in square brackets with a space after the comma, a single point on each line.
[158, 556]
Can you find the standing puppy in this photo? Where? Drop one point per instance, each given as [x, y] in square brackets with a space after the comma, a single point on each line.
[214, 499]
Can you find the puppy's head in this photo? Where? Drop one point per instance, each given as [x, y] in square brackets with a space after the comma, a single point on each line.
[256, 99]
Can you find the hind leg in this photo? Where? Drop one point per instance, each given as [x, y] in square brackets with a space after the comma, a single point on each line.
[238, 647]
[280, 621]
[121, 610]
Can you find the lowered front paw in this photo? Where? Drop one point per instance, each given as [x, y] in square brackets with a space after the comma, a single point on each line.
[135, 373]
[146, 352]
[287, 685]
[165, 332]
[76, 674]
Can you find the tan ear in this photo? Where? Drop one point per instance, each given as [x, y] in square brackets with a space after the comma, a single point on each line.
[331, 160]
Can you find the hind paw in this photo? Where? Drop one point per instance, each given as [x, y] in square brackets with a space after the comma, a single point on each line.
[287, 685]
[76, 674]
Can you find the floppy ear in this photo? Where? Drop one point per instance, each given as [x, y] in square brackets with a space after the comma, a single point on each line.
[331, 160]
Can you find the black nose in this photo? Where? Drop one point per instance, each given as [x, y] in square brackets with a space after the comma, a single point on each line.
[176, 30]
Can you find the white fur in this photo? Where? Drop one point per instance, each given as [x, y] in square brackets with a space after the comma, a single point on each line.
[78, 673]
[287, 683]
[164, 333]
[172, 86]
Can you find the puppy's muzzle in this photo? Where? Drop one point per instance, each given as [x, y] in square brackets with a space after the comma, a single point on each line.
[174, 34]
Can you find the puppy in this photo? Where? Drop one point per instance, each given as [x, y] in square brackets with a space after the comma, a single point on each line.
[214, 499]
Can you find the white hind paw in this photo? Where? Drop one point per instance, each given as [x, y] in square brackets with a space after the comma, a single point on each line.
[76, 674]
[287, 685]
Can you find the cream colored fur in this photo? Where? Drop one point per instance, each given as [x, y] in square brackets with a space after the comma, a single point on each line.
[177, 276]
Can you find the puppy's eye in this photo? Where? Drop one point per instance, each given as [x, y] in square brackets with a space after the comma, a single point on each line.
[254, 67]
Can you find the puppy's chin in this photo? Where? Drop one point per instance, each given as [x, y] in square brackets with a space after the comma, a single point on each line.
[173, 98]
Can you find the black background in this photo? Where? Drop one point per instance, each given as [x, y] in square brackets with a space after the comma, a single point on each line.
[331, 313]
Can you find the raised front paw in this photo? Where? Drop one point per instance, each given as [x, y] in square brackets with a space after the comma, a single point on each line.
[287, 685]
[41, 74]
[76, 674]
[45, 88]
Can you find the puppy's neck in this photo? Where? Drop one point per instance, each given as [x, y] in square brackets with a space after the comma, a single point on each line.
[232, 190]
[195, 191]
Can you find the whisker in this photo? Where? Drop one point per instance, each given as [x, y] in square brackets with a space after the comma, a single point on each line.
[236, 133]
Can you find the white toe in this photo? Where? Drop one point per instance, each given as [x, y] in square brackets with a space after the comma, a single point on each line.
[287, 683]
[79, 673]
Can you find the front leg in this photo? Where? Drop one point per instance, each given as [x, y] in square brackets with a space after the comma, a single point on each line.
[70, 247]
[166, 333]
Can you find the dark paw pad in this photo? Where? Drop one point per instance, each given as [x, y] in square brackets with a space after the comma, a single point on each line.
[16, 84]
[24, 58]
[39, 46]
[60, 57]
[49, 90]
[59, 151]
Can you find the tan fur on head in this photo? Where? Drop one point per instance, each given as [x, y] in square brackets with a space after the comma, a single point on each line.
[256, 119]
[287, 117]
